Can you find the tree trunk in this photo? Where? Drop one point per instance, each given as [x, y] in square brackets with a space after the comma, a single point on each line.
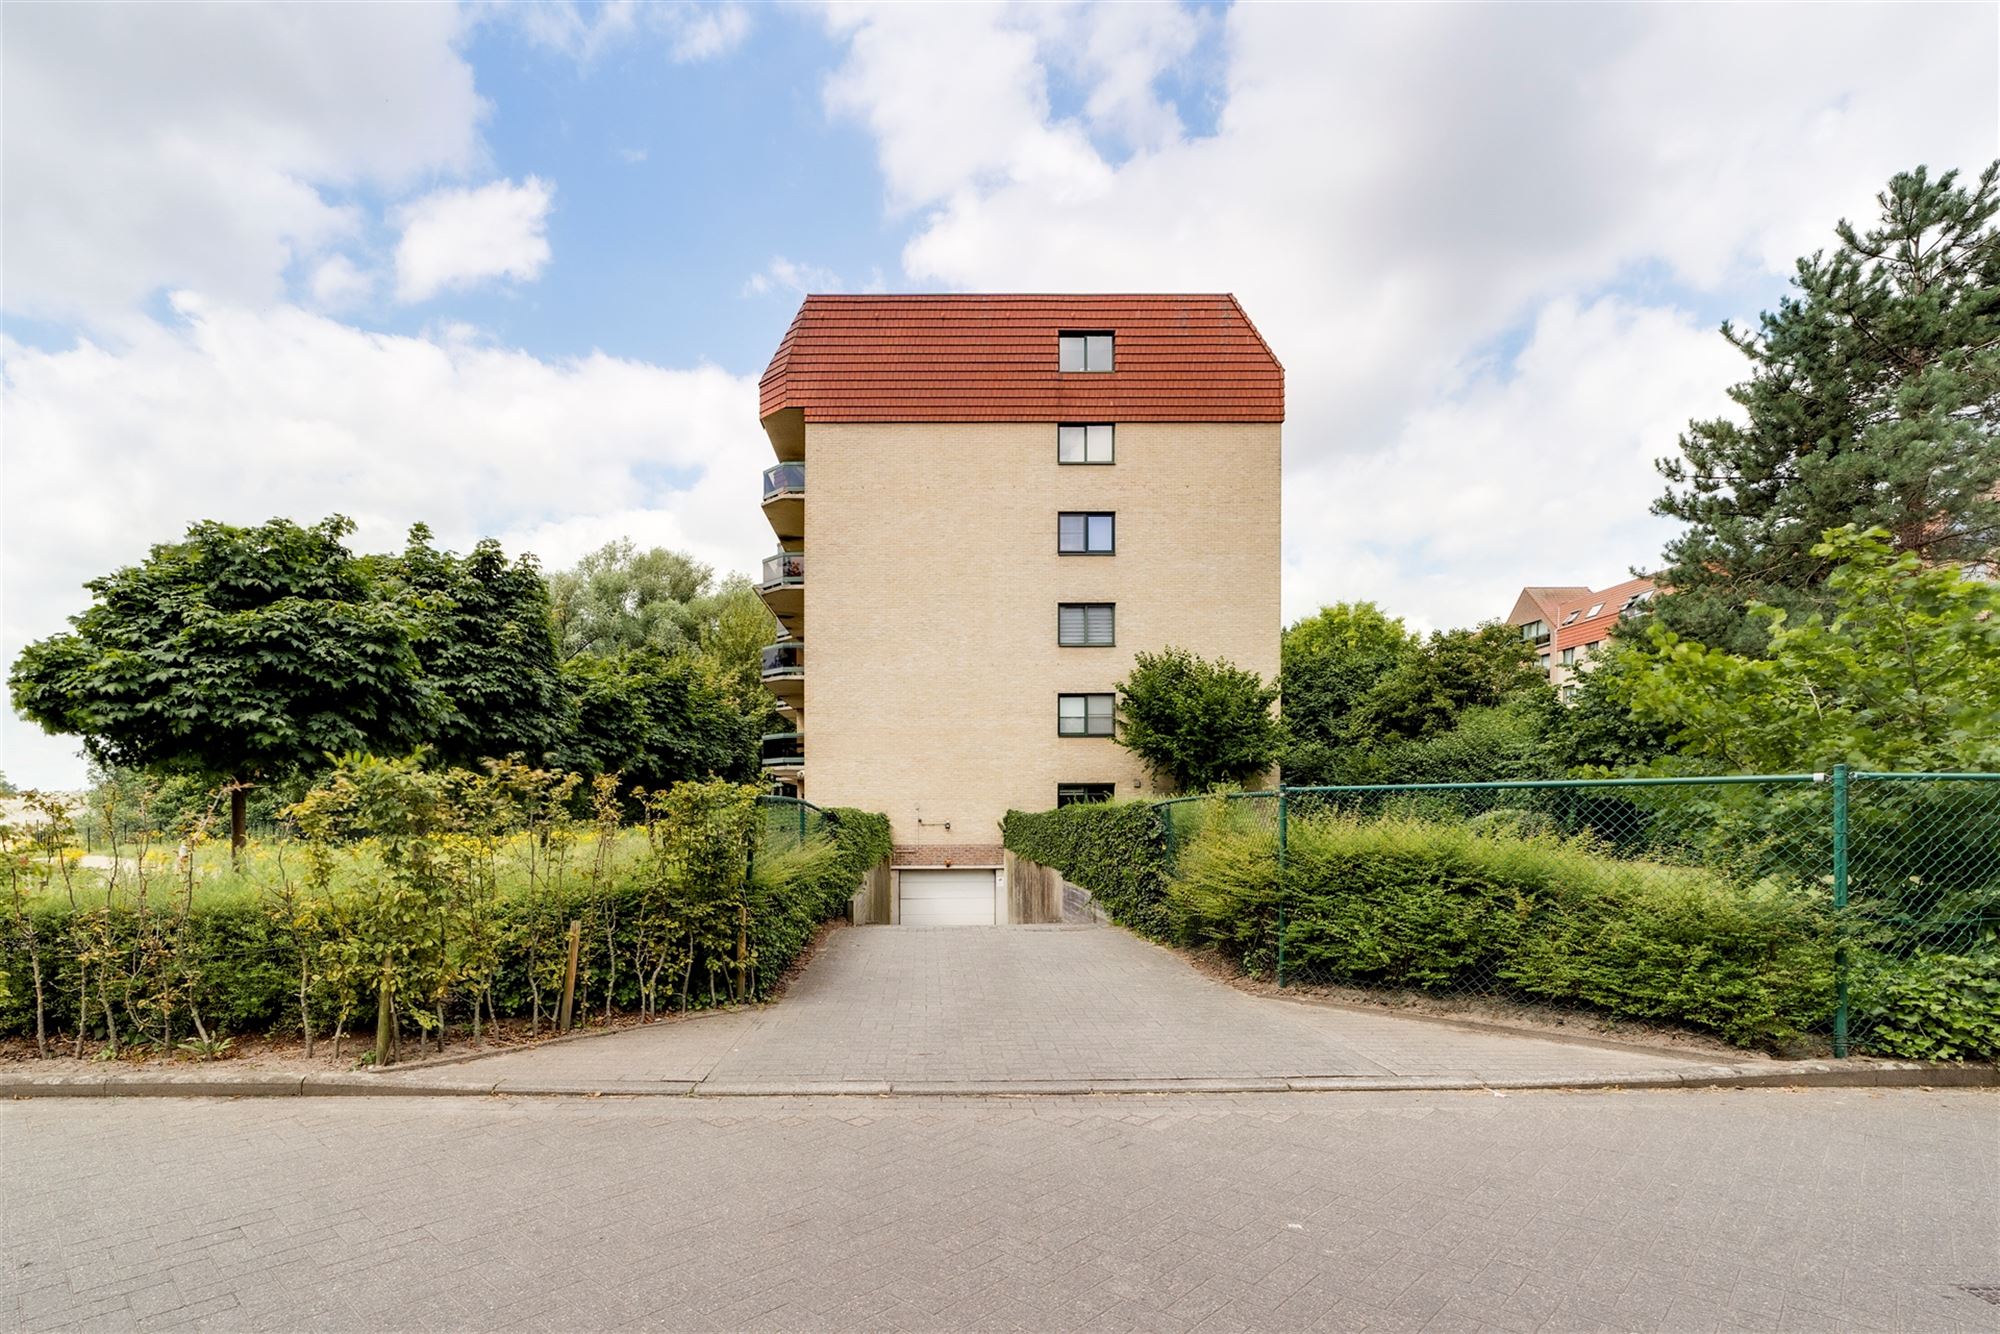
[305, 1007]
[239, 821]
[41, 1007]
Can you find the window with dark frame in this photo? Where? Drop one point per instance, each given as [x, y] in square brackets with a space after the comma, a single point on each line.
[1086, 624]
[1085, 442]
[1086, 534]
[1083, 350]
[1077, 794]
[1083, 715]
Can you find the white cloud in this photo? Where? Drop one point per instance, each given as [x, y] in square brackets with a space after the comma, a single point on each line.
[157, 146]
[242, 414]
[784, 275]
[454, 238]
[339, 284]
[1394, 192]
[1540, 473]
[705, 33]
[691, 32]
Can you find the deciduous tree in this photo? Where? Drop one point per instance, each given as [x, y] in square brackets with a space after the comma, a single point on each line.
[1903, 674]
[236, 655]
[1197, 723]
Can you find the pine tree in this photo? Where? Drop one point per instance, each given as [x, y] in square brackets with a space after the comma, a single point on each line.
[1874, 399]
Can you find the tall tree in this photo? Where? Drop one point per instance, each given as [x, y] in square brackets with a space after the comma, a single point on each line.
[1197, 723]
[1421, 696]
[484, 641]
[1331, 660]
[732, 628]
[619, 598]
[235, 655]
[1874, 399]
[655, 719]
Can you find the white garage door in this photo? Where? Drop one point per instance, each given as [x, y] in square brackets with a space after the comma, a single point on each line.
[947, 898]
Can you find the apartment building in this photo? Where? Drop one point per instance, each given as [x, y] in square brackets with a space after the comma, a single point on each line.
[985, 506]
[1567, 624]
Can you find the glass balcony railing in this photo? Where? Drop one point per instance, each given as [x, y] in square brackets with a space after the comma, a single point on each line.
[784, 750]
[787, 479]
[786, 659]
[786, 569]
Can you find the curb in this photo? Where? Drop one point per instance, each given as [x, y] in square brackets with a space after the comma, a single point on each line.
[1793, 1074]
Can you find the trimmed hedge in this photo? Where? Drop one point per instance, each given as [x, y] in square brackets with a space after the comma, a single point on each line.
[1448, 906]
[1116, 850]
[236, 958]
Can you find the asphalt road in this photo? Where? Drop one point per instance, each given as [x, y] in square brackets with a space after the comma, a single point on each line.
[1638, 1210]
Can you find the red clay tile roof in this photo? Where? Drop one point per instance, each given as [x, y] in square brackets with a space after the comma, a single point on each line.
[1588, 629]
[968, 358]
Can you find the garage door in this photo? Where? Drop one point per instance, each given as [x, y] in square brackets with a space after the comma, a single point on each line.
[946, 898]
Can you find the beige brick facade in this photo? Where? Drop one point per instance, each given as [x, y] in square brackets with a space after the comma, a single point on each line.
[930, 604]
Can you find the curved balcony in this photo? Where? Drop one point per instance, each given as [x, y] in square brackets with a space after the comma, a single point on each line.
[784, 671]
[784, 752]
[783, 588]
[785, 501]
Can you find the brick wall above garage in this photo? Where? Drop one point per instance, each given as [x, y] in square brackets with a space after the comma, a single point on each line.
[948, 854]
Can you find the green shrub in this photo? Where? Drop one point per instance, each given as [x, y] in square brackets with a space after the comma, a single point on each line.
[1934, 1007]
[1116, 850]
[1445, 905]
[232, 950]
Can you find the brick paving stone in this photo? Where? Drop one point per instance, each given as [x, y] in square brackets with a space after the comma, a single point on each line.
[1547, 1211]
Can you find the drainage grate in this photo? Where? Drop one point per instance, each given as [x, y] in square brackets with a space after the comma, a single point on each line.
[1986, 1292]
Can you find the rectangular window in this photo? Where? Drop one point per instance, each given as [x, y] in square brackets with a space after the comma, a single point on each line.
[1085, 624]
[1080, 534]
[1075, 794]
[1569, 657]
[1083, 351]
[1536, 632]
[1083, 715]
[1080, 443]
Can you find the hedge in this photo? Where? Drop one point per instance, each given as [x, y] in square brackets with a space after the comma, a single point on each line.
[1116, 850]
[1449, 906]
[235, 958]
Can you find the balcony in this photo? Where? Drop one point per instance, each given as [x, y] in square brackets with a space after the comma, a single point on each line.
[784, 752]
[784, 671]
[785, 501]
[783, 589]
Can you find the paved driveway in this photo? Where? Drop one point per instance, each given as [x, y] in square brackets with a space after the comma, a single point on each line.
[919, 1010]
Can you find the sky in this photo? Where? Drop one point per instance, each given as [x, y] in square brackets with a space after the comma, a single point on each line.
[514, 270]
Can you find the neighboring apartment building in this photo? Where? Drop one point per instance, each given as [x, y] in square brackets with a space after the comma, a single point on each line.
[985, 506]
[1568, 624]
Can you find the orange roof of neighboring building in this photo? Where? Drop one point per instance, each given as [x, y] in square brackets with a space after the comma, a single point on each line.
[993, 358]
[1542, 600]
[1607, 603]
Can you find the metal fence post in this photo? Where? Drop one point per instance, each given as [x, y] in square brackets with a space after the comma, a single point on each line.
[1281, 885]
[802, 824]
[1840, 909]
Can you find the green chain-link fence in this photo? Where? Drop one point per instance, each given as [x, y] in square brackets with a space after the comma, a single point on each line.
[785, 823]
[1859, 880]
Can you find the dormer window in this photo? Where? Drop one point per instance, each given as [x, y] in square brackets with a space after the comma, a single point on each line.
[1083, 351]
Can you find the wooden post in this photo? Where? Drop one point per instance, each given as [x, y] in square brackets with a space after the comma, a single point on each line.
[742, 948]
[385, 1021]
[569, 977]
